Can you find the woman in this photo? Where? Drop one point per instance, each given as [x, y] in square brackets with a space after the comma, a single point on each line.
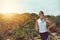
[40, 26]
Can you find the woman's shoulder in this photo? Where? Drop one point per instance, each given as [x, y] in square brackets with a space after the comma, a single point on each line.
[38, 19]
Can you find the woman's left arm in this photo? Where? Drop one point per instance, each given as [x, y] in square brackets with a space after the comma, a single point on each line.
[51, 24]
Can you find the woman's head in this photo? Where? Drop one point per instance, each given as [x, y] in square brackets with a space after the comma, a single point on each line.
[41, 14]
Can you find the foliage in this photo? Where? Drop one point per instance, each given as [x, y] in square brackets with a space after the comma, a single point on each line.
[21, 26]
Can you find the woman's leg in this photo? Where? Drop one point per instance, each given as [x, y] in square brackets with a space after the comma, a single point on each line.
[44, 36]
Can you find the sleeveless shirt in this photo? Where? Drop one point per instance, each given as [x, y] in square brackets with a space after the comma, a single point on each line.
[42, 25]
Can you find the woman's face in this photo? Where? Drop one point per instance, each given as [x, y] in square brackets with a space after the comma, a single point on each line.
[41, 15]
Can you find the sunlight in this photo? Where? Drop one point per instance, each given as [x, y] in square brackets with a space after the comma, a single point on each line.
[10, 6]
[8, 16]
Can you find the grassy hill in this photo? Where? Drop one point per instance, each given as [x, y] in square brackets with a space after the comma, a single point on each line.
[20, 25]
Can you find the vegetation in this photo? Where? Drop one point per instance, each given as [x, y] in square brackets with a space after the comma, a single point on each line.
[22, 26]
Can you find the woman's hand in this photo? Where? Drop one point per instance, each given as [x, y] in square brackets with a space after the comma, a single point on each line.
[48, 30]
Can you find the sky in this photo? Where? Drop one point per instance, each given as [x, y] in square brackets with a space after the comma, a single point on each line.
[49, 7]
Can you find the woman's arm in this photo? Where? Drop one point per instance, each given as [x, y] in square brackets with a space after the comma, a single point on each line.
[51, 24]
[36, 25]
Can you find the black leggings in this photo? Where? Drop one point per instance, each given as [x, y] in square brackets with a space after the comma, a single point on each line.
[44, 35]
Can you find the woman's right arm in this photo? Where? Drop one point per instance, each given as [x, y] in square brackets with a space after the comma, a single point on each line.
[36, 25]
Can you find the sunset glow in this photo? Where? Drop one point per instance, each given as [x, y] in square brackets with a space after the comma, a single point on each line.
[50, 7]
[8, 16]
[10, 6]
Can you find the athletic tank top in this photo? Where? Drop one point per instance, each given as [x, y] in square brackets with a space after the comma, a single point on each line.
[42, 25]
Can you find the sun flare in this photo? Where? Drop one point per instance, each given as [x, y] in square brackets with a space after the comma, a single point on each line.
[10, 6]
[8, 16]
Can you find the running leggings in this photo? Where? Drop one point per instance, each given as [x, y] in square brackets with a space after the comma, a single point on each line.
[44, 35]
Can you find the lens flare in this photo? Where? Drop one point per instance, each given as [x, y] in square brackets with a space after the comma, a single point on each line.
[8, 16]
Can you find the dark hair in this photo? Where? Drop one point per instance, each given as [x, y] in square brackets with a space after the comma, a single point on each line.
[41, 12]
